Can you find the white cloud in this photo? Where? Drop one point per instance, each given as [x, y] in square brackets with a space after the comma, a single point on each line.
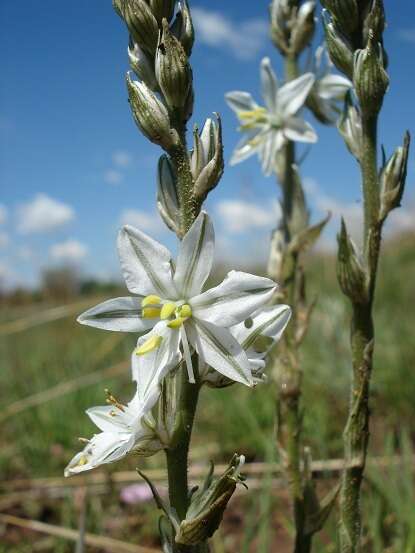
[148, 222]
[239, 216]
[25, 254]
[43, 214]
[245, 39]
[121, 158]
[4, 240]
[113, 177]
[407, 35]
[3, 214]
[68, 251]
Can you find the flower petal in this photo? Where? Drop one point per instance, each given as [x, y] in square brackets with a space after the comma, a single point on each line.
[240, 101]
[146, 264]
[221, 351]
[269, 84]
[333, 86]
[268, 152]
[195, 258]
[269, 321]
[299, 130]
[291, 96]
[234, 300]
[249, 145]
[109, 418]
[119, 314]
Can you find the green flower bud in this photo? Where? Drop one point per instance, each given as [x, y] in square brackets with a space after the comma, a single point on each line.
[374, 21]
[345, 14]
[142, 65]
[370, 78]
[173, 70]
[350, 272]
[281, 12]
[339, 48]
[207, 158]
[167, 198]
[162, 9]
[392, 179]
[350, 127]
[208, 504]
[150, 114]
[304, 27]
[182, 27]
[140, 21]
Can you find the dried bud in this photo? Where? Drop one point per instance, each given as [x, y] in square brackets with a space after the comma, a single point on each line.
[345, 14]
[304, 27]
[142, 65]
[208, 504]
[162, 9]
[350, 127]
[350, 272]
[140, 21]
[167, 198]
[392, 179]
[173, 70]
[370, 78]
[150, 114]
[339, 48]
[182, 27]
[207, 158]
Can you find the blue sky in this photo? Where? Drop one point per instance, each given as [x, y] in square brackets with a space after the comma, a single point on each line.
[73, 166]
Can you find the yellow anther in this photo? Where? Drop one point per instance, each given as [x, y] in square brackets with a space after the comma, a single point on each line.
[185, 311]
[149, 345]
[82, 461]
[177, 323]
[152, 299]
[167, 311]
[150, 312]
[252, 114]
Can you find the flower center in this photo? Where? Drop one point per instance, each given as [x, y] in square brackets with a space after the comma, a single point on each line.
[253, 118]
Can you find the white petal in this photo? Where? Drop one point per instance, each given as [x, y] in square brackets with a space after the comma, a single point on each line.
[269, 321]
[333, 86]
[269, 84]
[207, 139]
[268, 152]
[221, 351]
[109, 418]
[120, 314]
[291, 96]
[299, 130]
[240, 101]
[195, 258]
[149, 369]
[249, 145]
[145, 263]
[234, 300]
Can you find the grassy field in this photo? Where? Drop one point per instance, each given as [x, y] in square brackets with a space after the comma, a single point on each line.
[69, 366]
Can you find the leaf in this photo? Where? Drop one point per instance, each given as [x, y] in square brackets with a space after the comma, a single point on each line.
[316, 520]
[308, 237]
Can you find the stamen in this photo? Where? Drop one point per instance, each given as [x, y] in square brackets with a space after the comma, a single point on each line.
[167, 311]
[150, 312]
[185, 311]
[177, 323]
[152, 299]
[149, 345]
[82, 461]
[187, 355]
[84, 440]
[112, 400]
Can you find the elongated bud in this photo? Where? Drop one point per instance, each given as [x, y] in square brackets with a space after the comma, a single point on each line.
[350, 127]
[167, 198]
[277, 251]
[345, 14]
[208, 504]
[150, 114]
[140, 21]
[304, 27]
[370, 78]
[173, 70]
[207, 158]
[350, 273]
[281, 12]
[392, 179]
[142, 65]
[339, 48]
[182, 27]
[374, 21]
[162, 9]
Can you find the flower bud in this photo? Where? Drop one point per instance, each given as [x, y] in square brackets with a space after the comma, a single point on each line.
[142, 65]
[140, 21]
[207, 158]
[208, 504]
[182, 27]
[350, 273]
[150, 114]
[281, 11]
[162, 9]
[173, 70]
[392, 179]
[167, 198]
[276, 255]
[304, 27]
[350, 127]
[370, 78]
[374, 21]
[339, 48]
[345, 14]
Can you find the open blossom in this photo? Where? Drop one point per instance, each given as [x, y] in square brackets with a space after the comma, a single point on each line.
[172, 313]
[268, 128]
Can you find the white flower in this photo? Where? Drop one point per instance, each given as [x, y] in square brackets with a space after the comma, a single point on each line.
[328, 89]
[268, 128]
[178, 317]
[257, 335]
[124, 428]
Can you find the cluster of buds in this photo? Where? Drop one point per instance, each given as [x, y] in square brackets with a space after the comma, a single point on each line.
[292, 25]
[350, 268]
